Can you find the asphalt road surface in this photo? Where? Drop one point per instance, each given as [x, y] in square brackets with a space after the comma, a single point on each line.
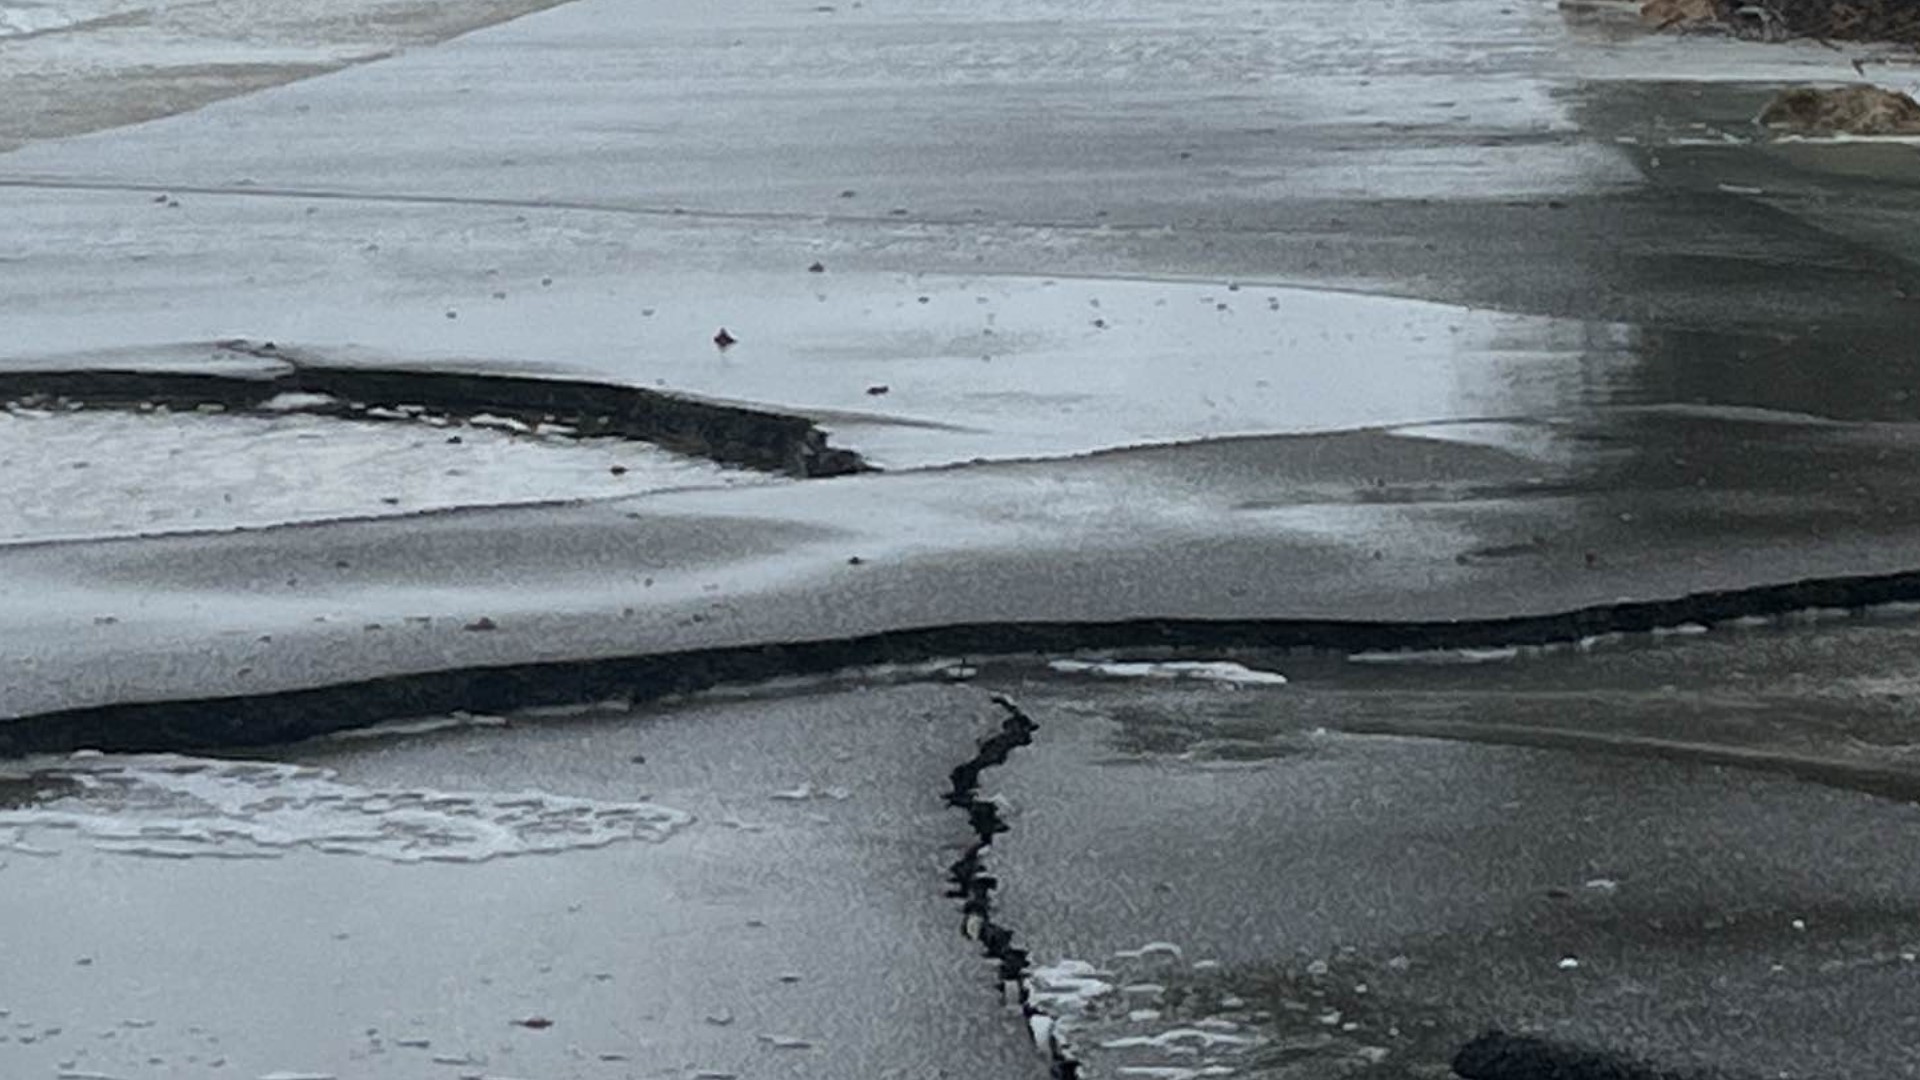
[1368, 326]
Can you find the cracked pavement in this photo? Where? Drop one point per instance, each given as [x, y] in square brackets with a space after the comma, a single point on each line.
[1314, 878]
[1177, 331]
[795, 925]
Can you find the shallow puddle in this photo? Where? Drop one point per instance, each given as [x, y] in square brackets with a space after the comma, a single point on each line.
[89, 473]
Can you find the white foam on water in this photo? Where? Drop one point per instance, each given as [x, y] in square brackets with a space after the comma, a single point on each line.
[1221, 671]
[1067, 987]
[428, 725]
[170, 806]
[297, 400]
[807, 791]
[1151, 948]
[1437, 656]
[1175, 1038]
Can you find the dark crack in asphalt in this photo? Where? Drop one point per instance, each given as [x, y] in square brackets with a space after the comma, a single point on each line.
[724, 432]
[973, 886]
[290, 715]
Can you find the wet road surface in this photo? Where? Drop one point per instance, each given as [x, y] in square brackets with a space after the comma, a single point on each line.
[1436, 523]
[1350, 873]
[741, 889]
[1252, 885]
[1027, 218]
[1596, 343]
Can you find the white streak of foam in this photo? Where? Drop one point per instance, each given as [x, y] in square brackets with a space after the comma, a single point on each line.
[168, 806]
[1182, 1037]
[1040, 1026]
[1437, 656]
[296, 400]
[1151, 948]
[1067, 987]
[423, 726]
[1221, 671]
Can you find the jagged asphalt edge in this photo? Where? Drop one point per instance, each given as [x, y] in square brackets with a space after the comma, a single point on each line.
[1492, 1055]
[974, 887]
[288, 715]
[728, 433]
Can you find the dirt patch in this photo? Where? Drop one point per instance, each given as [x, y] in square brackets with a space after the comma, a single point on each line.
[1849, 110]
[1779, 20]
[1681, 14]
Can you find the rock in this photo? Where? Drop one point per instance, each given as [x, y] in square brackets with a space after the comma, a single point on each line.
[1680, 14]
[1852, 110]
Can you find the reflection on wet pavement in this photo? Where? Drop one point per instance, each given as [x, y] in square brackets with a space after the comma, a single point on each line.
[1363, 904]
[1821, 694]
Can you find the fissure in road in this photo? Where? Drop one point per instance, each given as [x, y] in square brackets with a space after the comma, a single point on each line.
[974, 887]
[289, 715]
